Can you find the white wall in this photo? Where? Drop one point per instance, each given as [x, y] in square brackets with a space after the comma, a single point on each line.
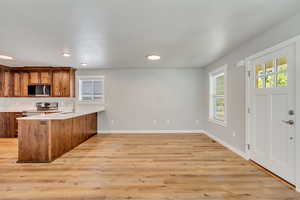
[136, 97]
[236, 81]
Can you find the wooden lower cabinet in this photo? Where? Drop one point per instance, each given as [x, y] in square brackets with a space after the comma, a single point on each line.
[61, 130]
[8, 124]
[52, 138]
[33, 141]
[91, 124]
[79, 130]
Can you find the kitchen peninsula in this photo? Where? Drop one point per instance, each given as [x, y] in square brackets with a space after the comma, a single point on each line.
[43, 138]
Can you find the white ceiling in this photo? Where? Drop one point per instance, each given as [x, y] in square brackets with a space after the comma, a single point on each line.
[119, 33]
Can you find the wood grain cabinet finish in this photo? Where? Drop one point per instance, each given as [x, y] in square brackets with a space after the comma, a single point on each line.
[34, 78]
[17, 84]
[8, 124]
[8, 86]
[33, 141]
[61, 130]
[14, 81]
[46, 77]
[6, 82]
[1, 83]
[63, 83]
[52, 138]
[40, 77]
[24, 84]
[91, 124]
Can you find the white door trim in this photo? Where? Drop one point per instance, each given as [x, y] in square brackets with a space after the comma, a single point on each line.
[296, 41]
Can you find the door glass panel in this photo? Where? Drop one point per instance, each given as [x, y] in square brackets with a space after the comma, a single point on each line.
[260, 82]
[270, 67]
[270, 77]
[282, 64]
[282, 79]
[259, 70]
[260, 74]
[270, 81]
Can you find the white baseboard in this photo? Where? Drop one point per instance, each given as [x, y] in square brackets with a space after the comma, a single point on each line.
[148, 131]
[235, 150]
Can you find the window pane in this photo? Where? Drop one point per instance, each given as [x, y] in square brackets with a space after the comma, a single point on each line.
[220, 85]
[282, 79]
[98, 87]
[86, 98]
[86, 87]
[219, 108]
[260, 71]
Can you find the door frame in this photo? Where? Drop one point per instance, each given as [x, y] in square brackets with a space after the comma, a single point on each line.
[293, 41]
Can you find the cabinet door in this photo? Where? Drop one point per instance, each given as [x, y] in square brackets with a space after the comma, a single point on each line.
[7, 125]
[65, 83]
[1, 83]
[79, 131]
[34, 78]
[24, 84]
[61, 85]
[56, 84]
[91, 124]
[45, 77]
[61, 137]
[17, 84]
[8, 84]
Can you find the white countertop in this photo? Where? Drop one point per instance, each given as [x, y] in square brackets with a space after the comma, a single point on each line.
[63, 115]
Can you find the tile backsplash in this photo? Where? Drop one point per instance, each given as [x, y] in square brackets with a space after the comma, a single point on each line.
[21, 104]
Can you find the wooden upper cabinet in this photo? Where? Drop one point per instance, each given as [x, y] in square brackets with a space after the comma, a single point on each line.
[1, 83]
[8, 84]
[40, 77]
[63, 83]
[34, 78]
[17, 84]
[21, 82]
[45, 77]
[14, 82]
[56, 88]
[24, 84]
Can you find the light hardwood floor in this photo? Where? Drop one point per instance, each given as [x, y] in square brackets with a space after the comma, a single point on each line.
[152, 167]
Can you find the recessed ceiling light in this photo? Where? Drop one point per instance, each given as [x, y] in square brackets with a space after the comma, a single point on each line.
[66, 54]
[153, 57]
[6, 57]
[83, 64]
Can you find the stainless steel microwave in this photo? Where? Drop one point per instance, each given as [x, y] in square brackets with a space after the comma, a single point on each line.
[39, 90]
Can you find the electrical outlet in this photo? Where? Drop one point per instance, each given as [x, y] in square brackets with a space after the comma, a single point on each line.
[154, 121]
[168, 121]
[112, 121]
[197, 121]
[233, 134]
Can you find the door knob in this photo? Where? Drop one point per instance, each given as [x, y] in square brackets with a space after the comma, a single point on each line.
[290, 122]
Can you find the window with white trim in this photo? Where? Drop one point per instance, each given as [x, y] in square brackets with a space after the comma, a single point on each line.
[217, 98]
[91, 89]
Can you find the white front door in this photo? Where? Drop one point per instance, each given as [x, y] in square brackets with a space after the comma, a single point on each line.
[272, 118]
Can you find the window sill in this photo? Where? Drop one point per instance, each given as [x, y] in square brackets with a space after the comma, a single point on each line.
[220, 123]
[90, 102]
